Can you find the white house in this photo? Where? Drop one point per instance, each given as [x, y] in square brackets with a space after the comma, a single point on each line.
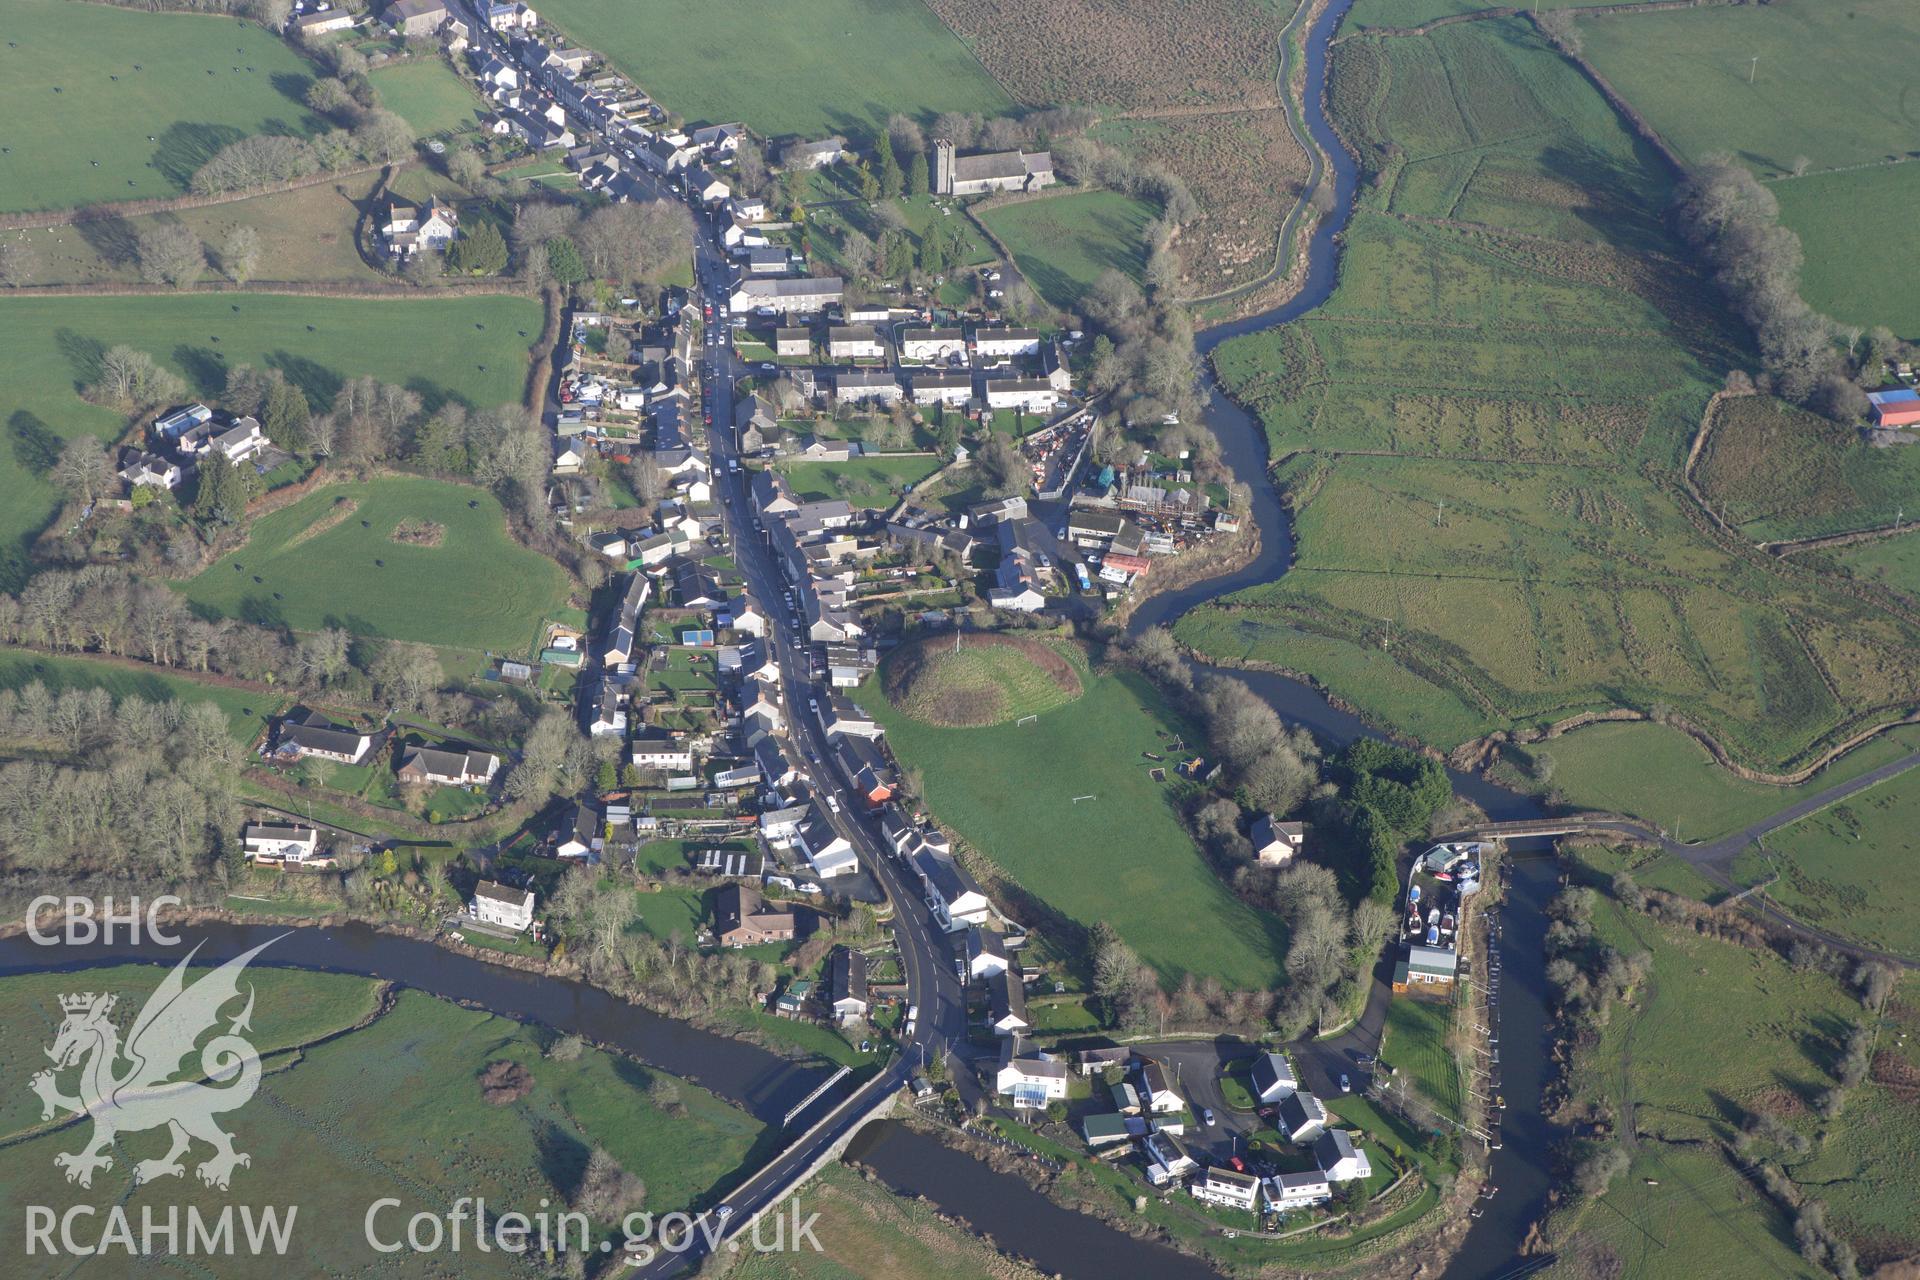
[853, 342]
[512, 17]
[720, 139]
[582, 833]
[1285, 1192]
[828, 852]
[280, 842]
[240, 441]
[1031, 1078]
[796, 296]
[1170, 1154]
[1226, 1187]
[412, 228]
[139, 467]
[656, 748]
[986, 954]
[747, 617]
[761, 710]
[1301, 1117]
[496, 73]
[847, 985]
[865, 386]
[998, 344]
[1338, 1158]
[706, 187]
[501, 905]
[1156, 1092]
[749, 208]
[952, 389]
[931, 346]
[815, 155]
[957, 901]
[1033, 395]
[1273, 1077]
[1275, 843]
[1007, 1003]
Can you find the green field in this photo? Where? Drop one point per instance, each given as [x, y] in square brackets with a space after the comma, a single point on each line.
[1122, 857]
[1892, 562]
[84, 127]
[1663, 775]
[1480, 435]
[246, 711]
[864, 482]
[467, 348]
[1861, 265]
[394, 1110]
[428, 95]
[1851, 869]
[1775, 471]
[1687, 71]
[831, 66]
[1666, 1055]
[1065, 243]
[680, 905]
[1415, 1045]
[330, 560]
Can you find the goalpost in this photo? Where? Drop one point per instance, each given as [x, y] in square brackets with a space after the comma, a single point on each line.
[1025, 720]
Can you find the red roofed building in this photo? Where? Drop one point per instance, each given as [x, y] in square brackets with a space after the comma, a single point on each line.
[1895, 408]
[1129, 564]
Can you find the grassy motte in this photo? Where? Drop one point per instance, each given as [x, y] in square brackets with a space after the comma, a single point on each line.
[978, 680]
[108, 104]
[331, 560]
[1119, 854]
[831, 66]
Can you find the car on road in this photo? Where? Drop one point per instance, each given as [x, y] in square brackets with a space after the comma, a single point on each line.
[768, 366]
[1366, 1059]
[1346, 1085]
[724, 1212]
[1206, 1116]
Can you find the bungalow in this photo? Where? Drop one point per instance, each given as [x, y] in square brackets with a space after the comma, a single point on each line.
[986, 953]
[793, 342]
[803, 295]
[1899, 408]
[828, 852]
[1334, 1152]
[1301, 1117]
[931, 346]
[138, 467]
[581, 833]
[1031, 1078]
[815, 449]
[1006, 1003]
[951, 389]
[1104, 1129]
[412, 18]
[1155, 1093]
[1285, 1192]
[657, 748]
[280, 842]
[815, 155]
[1032, 395]
[1273, 1077]
[1126, 1098]
[502, 905]
[411, 228]
[310, 734]
[847, 985]
[1429, 969]
[1227, 1188]
[448, 768]
[853, 342]
[998, 343]
[1093, 1062]
[1275, 843]
[1170, 1154]
[741, 918]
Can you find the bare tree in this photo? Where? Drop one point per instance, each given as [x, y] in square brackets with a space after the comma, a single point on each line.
[240, 253]
[170, 254]
[83, 470]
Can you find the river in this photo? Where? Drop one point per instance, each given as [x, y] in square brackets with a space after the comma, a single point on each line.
[1060, 1241]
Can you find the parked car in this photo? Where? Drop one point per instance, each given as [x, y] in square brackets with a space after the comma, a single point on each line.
[1206, 1116]
[1346, 1085]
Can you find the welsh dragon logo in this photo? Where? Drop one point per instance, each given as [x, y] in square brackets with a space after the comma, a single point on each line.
[128, 1088]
